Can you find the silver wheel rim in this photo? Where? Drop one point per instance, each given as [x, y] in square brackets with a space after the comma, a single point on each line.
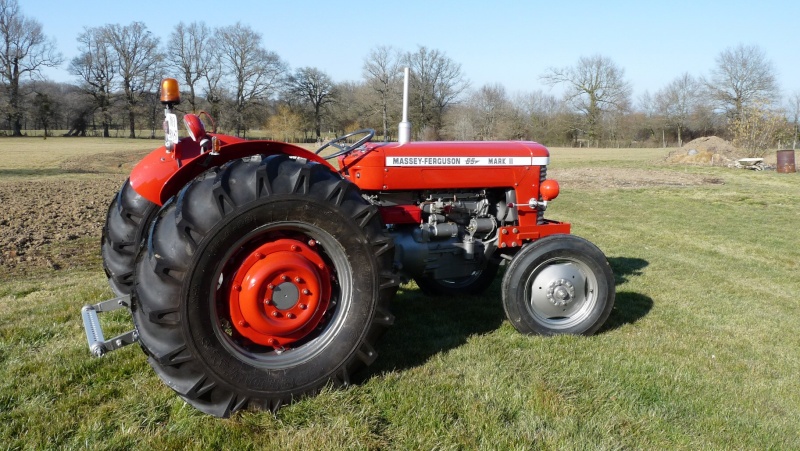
[561, 293]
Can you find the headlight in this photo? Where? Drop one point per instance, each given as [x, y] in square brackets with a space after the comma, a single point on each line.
[549, 190]
[194, 126]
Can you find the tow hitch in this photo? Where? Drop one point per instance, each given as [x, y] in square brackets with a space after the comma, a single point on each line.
[98, 345]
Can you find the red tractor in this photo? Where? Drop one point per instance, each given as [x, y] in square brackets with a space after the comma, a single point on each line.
[256, 272]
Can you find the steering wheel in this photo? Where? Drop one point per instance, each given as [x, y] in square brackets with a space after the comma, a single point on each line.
[338, 143]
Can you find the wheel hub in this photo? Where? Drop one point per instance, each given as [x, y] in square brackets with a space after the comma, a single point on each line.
[280, 292]
[560, 292]
[285, 296]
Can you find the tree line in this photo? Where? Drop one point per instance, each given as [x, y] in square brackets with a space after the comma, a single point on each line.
[228, 72]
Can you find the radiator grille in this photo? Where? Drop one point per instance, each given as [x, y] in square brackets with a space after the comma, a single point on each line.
[542, 178]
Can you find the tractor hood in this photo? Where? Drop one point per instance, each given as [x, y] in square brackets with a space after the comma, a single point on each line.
[438, 165]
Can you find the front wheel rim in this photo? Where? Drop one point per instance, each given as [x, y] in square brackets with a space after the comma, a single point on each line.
[561, 293]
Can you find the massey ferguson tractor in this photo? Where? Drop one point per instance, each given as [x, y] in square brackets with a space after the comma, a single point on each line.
[257, 272]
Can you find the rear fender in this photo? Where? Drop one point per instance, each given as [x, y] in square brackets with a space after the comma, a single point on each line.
[161, 174]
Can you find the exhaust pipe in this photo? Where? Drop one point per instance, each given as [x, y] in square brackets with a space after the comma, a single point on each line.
[404, 129]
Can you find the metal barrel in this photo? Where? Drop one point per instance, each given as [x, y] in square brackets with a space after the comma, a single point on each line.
[786, 161]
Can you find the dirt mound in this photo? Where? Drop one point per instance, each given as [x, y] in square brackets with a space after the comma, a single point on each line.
[708, 150]
[712, 144]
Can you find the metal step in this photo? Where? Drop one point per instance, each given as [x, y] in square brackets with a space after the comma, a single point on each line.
[98, 345]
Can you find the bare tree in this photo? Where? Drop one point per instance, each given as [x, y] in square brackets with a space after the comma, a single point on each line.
[546, 116]
[25, 51]
[793, 108]
[95, 68]
[743, 76]
[677, 102]
[253, 71]
[652, 118]
[594, 87]
[381, 72]
[44, 110]
[353, 108]
[438, 82]
[191, 54]
[460, 123]
[758, 128]
[138, 63]
[314, 88]
[214, 89]
[284, 124]
[77, 109]
[491, 106]
[47, 101]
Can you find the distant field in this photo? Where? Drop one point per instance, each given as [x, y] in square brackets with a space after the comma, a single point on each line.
[700, 352]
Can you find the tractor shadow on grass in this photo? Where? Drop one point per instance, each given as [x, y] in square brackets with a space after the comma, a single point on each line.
[428, 325]
[629, 307]
[625, 267]
[425, 325]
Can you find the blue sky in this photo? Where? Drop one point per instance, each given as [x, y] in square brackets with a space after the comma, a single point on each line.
[496, 41]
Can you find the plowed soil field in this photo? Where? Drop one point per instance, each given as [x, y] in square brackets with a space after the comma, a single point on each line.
[54, 195]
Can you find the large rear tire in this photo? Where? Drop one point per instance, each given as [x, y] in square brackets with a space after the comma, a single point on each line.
[128, 218]
[560, 284]
[263, 281]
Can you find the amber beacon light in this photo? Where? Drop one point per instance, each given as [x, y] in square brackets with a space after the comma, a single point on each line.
[170, 94]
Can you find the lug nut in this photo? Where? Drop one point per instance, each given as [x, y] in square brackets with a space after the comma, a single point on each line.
[284, 278]
[312, 243]
[306, 292]
[290, 315]
[237, 287]
[242, 323]
[295, 248]
[271, 286]
[303, 306]
[259, 255]
[276, 314]
[297, 280]
[272, 342]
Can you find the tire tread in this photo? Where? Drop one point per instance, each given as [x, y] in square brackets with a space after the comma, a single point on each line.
[184, 224]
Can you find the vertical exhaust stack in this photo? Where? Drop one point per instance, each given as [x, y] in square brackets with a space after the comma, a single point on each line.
[404, 129]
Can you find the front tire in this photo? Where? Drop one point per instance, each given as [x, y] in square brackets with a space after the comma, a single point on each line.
[128, 218]
[263, 281]
[560, 284]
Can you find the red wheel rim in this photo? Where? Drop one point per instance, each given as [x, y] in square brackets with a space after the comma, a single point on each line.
[280, 292]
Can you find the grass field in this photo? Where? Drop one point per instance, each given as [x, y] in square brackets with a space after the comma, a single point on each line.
[700, 352]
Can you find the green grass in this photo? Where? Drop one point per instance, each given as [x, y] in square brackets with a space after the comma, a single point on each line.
[700, 352]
